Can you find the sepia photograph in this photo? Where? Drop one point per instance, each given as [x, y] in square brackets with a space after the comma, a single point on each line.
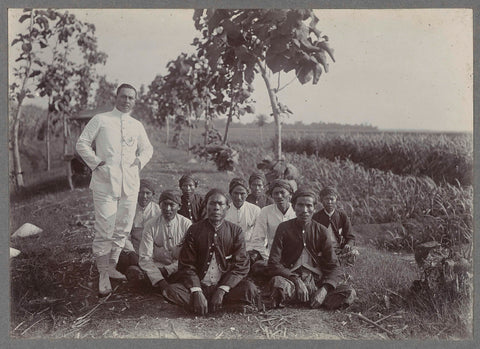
[238, 174]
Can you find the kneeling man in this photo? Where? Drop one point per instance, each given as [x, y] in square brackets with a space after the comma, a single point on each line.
[213, 263]
[303, 262]
[160, 245]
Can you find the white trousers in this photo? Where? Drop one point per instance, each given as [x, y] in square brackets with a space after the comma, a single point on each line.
[113, 222]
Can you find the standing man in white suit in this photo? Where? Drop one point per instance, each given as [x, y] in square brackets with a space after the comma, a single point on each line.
[121, 150]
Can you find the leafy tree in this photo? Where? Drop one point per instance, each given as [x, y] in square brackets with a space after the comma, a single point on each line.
[33, 40]
[265, 41]
[105, 94]
[65, 82]
[85, 71]
[57, 74]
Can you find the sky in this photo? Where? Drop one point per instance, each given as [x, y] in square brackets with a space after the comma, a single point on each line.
[395, 69]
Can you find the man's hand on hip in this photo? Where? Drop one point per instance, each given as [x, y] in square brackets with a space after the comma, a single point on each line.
[136, 163]
[101, 163]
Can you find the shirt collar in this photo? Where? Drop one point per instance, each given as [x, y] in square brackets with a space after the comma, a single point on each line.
[162, 220]
[117, 112]
[329, 214]
[286, 212]
[216, 228]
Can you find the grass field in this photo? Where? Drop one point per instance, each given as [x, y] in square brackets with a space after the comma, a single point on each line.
[54, 279]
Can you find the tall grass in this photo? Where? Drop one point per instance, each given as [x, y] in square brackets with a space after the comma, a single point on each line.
[429, 211]
[442, 157]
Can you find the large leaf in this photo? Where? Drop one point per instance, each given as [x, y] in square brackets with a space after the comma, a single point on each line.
[217, 17]
[317, 71]
[322, 59]
[304, 72]
[250, 73]
[279, 43]
[276, 63]
[34, 73]
[23, 18]
[43, 22]
[197, 15]
[17, 40]
[325, 46]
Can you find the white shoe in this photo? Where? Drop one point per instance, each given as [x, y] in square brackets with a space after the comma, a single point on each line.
[113, 273]
[104, 286]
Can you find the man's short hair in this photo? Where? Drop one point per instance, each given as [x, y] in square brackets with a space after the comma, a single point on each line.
[217, 191]
[126, 86]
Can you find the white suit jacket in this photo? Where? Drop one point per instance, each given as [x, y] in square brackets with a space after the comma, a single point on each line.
[119, 139]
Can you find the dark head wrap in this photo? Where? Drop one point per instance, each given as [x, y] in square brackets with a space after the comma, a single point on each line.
[304, 191]
[147, 183]
[238, 182]
[281, 183]
[187, 178]
[328, 191]
[257, 175]
[216, 191]
[172, 195]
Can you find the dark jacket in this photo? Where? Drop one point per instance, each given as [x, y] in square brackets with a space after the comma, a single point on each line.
[201, 241]
[261, 201]
[193, 209]
[339, 220]
[287, 248]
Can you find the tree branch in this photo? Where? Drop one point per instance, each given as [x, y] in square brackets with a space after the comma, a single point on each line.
[288, 83]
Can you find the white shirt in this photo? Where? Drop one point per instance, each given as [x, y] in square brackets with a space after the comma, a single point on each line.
[160, 245]
[119, 139]
[245, 217]
[266, 226]
[142, 215]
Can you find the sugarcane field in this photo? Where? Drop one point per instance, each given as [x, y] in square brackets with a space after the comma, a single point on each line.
[241, 174]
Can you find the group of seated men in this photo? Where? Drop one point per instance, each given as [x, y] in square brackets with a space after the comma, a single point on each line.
[212, 252]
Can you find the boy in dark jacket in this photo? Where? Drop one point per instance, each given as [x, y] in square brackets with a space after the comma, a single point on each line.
[335, 220]
[192, 205]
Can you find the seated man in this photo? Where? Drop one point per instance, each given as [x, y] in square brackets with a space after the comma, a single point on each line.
[257, 183]
[213, 263]
[146, 209]
[338, 225]
[242, 213]
[267, 222]
[160, 244]
[303, 263]
[192, 205]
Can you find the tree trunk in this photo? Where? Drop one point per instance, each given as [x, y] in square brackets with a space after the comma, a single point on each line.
[17, 166]
[47, 137]
[261, 135]
[229, 120]
[189, 138]
[275, 111]
[65, 134]
[205, 140]
[189, 116]
[168, 128]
